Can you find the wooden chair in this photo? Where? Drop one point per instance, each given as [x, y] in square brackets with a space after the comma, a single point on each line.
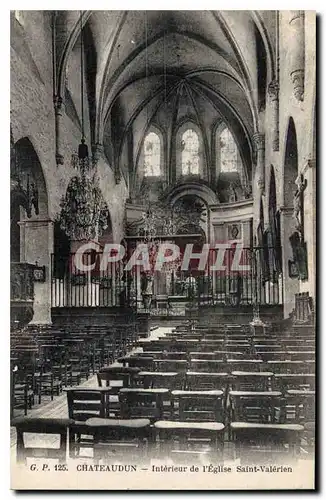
[85, 403]
[266, 443]
[198, 406]
[301, 355]
[244, 365]
[190, 441]
[254, 406]
[165, 380]
[124, 439]
[144, 403]
[272, 355]
[22, 390]
[170, 365]
[53, 426]
[202, 381]
[251, 381]
[203, 355]
[141, 362]
[47, 384]
[178, 355]
[299, 381]
[117, 377]
[287, 366]
[299, 406]
[151, 354]
[208, 365]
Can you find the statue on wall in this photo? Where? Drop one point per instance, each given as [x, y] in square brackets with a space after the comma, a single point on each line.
[298, 268]
[232, 193]
[298, 204]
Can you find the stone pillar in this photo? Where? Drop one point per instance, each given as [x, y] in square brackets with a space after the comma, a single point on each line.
[290, 285]
[273, 93]
[37, 246]
[297, 62]
[58, 111]
[259, 143]
[259, 176]
[97, 153]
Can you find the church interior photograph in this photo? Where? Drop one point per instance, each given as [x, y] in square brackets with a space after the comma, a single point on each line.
[162, 237]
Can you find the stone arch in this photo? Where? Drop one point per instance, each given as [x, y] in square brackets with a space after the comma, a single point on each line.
[28, 192]
[201, 190]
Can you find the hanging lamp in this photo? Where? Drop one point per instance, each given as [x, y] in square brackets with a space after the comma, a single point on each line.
[84, 212]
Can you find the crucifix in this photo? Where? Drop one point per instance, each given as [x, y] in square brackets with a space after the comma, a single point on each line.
[298, 268]
[298, 205]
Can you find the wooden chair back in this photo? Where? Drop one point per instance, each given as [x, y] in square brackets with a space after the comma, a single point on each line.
[53, 426]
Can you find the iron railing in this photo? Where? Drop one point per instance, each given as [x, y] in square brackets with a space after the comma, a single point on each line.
[255, 278]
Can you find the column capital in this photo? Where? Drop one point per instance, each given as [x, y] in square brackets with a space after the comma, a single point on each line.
[297, 77]
[296, 15]
[36, 222]
[259, 141]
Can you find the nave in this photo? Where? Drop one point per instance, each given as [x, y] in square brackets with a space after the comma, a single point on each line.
[188, 394]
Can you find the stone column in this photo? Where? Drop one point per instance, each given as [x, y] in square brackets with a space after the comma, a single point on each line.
[37, 246]
[259, 176]
[97, 153]
[259, 144]
[290, 285]
[273, 93]
[58, 111]
[297, 56]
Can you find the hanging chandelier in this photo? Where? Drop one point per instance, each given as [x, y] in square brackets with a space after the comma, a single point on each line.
[84, 212]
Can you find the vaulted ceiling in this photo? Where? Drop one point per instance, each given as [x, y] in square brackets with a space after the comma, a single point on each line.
[163, 66]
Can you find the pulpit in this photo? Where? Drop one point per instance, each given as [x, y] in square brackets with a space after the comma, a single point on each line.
[21, 294]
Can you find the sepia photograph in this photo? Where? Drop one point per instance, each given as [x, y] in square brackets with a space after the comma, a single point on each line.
[162, 250]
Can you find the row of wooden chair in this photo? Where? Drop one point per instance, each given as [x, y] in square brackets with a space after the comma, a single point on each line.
[43, 361]
[141, 440]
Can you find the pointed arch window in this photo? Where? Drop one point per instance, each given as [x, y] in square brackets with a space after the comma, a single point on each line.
[152, 155]
[229, 156]
[190, 152]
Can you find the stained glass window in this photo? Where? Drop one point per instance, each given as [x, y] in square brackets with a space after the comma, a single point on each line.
[228, 152]
[152, 155]
[190, 152]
